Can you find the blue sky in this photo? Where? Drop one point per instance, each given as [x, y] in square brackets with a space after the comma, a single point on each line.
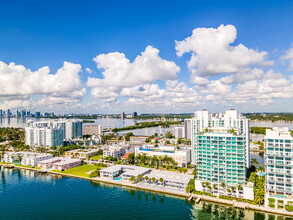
[35, 34]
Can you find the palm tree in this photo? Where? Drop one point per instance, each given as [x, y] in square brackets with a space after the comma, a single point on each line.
[139, 176]
[161, 180]
[215, 186]
[132, 179]
[261, 169]
[259, 196]
[223, 185]
[146, 178]
[239, 187]
[254, 162]
[233, 189]
[153, 179]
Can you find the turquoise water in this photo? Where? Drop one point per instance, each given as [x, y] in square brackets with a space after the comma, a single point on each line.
[30, 195]
[118, 178]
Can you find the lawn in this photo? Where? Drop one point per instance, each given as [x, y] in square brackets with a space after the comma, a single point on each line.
[97, 157]
[80, 170]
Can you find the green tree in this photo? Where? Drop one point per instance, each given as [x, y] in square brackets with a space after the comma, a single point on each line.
[153, 179]
[169, 134]
[132, 179]
[253, 177]
[254, 162]
[161, 180]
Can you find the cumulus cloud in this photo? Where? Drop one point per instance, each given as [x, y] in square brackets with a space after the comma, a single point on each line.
[212, 53]
[118, 72]
[147, 91]
[18, 86]
[88, 70]
[289, 56]
[16, 80]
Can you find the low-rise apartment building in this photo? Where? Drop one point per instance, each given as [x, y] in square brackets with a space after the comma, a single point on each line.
[181, 157]
[66, 163]
[26, 158]
[117, 150]
[82, 153]
[32, 159]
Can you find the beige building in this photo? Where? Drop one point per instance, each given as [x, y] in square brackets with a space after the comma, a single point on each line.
[81, 154]
[92, 129]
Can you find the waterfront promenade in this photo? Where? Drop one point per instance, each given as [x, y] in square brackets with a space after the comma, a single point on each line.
[165, 190]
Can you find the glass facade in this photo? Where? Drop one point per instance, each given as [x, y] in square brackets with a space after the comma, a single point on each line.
[220, 158]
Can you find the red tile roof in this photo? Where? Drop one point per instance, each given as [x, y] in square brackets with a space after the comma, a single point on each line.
[126, 155]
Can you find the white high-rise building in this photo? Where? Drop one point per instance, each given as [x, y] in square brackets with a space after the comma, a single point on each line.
[220, 147]
[279, 166]
[230, 121]
[72, 127]
[187, 129]
[52, 133]
[44, 136]
[179, 132]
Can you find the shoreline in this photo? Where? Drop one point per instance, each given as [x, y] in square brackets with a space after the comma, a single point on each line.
[184, 195]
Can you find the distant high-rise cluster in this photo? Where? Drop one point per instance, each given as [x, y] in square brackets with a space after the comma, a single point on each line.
[23, 114]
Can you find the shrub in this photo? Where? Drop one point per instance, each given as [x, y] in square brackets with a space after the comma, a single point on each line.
[289, 207]
[272, 202]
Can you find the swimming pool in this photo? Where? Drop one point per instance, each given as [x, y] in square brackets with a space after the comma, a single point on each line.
[118, 178]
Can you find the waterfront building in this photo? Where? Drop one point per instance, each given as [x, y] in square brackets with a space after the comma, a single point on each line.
[170, 179]
[92, 129]
[126, 171]
[66, 163]
[37, 114]
[187, 129]
[134, 114]
[44, 136]
[175, 180]
[26, 158]
[179, 132]
[10, 157]
[220, 148]
[181, 157]
[45, 164]
[279, 163]
[32, 159]
[8, 113]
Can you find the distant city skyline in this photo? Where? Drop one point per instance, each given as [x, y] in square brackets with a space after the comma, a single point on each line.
[152, 57]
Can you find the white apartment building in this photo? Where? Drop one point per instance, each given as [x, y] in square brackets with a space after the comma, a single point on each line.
[187, 129]
[27, 158]
[117, 150]
[92, 129]
[181, 157]
[44, 136]
[220, 147]
[179, 132]
[32, 159]
[114, 151]
[52, 133]
[279, 166]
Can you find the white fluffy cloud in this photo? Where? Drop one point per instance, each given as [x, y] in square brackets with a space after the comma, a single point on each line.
[118, 72]
[18, 85]
[17, 80]
[289, 56]
[88, 70]
[212, 53]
